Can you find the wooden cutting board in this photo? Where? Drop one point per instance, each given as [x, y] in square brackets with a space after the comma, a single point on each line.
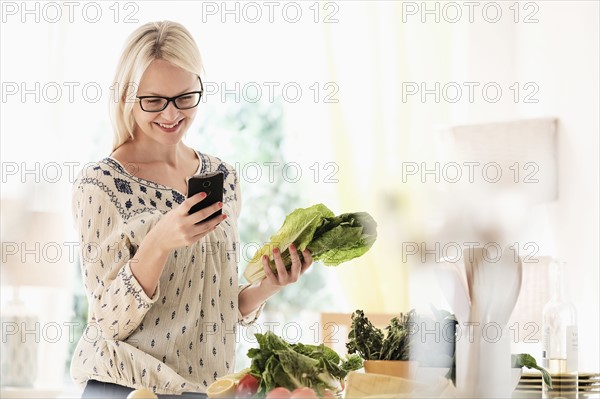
[363, 385]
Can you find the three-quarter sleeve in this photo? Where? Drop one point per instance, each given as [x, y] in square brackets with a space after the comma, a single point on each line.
[117, 303]
[251, 317]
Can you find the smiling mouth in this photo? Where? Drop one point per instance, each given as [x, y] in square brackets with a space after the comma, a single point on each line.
[169, 126]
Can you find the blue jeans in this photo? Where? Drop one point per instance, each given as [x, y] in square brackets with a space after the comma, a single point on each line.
[105, 390]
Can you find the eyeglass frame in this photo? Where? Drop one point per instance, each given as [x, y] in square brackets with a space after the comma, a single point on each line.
[172, 99]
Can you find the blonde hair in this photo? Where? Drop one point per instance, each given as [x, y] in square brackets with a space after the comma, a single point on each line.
[165, 40]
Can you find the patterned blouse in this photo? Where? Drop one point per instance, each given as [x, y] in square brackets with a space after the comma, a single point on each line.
[184, 337]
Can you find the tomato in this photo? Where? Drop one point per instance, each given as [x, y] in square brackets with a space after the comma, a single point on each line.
[279, 393]
[303, 393]
[247, 387]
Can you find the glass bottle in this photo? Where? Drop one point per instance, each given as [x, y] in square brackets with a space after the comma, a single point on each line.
[560, 342]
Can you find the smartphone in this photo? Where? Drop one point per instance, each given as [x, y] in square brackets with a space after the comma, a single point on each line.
[212, 185]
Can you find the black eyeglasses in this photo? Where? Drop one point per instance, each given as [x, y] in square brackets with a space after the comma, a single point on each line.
[182, 101]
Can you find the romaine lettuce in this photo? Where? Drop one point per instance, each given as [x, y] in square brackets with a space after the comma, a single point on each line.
[331, 239]
[280, 364]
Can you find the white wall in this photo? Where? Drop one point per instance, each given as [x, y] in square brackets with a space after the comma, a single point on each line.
[560, 54]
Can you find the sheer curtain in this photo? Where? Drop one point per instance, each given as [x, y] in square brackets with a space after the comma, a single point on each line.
[375, 129]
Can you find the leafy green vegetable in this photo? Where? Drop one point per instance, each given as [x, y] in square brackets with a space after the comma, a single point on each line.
[399, 338]
[280, 364]
[372, 344]
[526, 360]
[331, 239]
[343, 237]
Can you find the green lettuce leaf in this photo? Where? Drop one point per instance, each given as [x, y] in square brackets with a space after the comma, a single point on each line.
[298, 228]
[350, 236]
[331, 239]
[280, 364]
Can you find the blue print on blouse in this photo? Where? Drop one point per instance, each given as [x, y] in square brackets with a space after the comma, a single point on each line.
[138, 203]
[123, 186]
[177, 197]
[223, 168]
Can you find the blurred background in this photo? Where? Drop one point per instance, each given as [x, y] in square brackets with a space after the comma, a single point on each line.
[450, 123]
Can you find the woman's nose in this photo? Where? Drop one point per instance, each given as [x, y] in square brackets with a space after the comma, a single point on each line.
[170, 113]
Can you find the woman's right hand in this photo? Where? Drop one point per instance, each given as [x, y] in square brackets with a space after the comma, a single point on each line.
[178, 229]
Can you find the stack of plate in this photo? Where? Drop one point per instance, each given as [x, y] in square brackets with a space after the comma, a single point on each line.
[588, 386]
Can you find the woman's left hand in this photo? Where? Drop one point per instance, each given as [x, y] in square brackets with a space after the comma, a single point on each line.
[251, 297]
[284, 277]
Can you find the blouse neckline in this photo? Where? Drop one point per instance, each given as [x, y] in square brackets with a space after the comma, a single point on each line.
[141, 179]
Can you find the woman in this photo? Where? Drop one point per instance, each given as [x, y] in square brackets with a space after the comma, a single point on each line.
[164, 301]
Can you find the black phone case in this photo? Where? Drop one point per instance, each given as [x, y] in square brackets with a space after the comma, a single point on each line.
[212, 185]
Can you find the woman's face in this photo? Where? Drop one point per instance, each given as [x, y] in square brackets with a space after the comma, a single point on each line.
[169, 125]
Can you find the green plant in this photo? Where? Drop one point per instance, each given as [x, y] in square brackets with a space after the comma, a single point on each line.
[526, 360]
[372, 344]
[407, 337]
